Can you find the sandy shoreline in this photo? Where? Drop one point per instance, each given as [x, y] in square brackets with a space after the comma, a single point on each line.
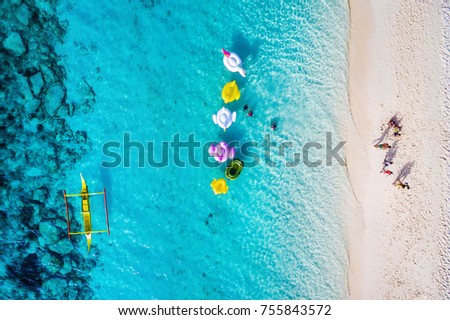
[398, 65]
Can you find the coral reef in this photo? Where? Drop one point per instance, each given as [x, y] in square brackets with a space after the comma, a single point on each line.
[37, 147]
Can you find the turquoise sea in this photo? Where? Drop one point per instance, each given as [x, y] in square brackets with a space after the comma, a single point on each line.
[83, 75]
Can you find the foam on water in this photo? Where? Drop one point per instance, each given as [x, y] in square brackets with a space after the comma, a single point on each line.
[156, 71]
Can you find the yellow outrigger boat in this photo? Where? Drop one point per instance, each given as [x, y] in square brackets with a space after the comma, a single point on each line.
[86, 212]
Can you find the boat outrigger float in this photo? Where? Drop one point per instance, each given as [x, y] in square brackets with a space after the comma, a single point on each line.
[86, 212]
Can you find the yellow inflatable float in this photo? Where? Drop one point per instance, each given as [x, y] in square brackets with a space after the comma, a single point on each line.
[219, 186]
[230, 92]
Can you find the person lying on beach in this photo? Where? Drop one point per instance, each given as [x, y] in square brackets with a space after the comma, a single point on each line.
[401, 185]
[383, 146]
[386, 172]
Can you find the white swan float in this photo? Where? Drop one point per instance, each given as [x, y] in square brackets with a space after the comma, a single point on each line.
[233, 63]
[224, 118]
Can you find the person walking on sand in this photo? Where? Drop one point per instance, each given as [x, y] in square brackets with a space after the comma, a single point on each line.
[386, 172]
[383, 146]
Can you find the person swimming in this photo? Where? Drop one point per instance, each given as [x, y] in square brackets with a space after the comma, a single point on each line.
[273, 126]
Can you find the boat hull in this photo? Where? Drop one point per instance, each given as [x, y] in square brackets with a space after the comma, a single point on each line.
[85, 212]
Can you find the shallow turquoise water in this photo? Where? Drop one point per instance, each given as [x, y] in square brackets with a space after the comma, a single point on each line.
[156, 70]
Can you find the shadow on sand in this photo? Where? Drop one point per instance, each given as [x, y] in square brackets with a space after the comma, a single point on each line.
[383, 136]
[405, 171]
[390, 155]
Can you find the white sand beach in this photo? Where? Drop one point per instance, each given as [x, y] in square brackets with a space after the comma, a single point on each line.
[399, 239]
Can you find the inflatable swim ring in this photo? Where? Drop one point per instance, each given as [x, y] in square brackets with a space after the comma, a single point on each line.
[230, 92]
[221, 152]
[234, 169]
[219, 186]
[233, 63]
[224, 118]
